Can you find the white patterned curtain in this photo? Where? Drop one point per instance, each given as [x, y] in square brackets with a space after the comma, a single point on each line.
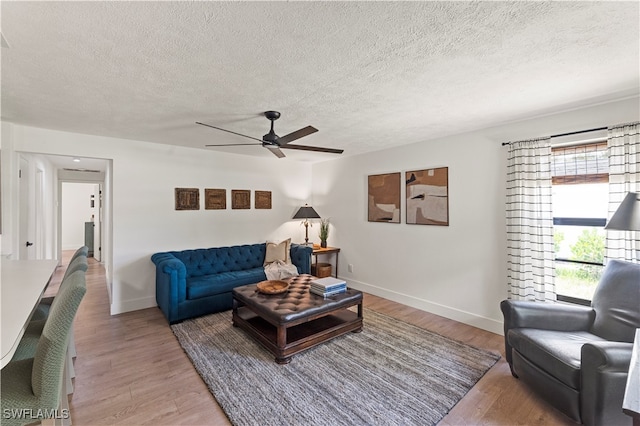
[624, 176]
[530, 249]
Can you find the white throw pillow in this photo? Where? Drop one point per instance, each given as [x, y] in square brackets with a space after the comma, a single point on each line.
[278, 251]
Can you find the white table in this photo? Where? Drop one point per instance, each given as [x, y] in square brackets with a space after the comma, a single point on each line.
[22, 284]
[631, 402]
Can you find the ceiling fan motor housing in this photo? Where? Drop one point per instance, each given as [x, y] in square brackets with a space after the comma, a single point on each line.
[272, 115]
[271, 137]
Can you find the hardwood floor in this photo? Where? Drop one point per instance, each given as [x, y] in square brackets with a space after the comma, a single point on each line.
[130, 369]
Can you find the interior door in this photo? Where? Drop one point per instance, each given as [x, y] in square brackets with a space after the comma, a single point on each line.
[39, 236]
[25, 241]
[97, 219]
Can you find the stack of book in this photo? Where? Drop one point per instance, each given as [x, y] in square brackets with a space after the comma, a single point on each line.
[328, 286]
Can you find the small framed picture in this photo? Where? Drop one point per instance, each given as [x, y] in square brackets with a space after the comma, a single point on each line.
[262, 199]
[187, 198]
[215, 199]
[240, 199]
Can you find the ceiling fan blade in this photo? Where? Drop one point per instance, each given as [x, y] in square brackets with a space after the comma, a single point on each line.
[229, 131]
[314, 148]
[275, 151]
[236, 144]
[296, 135]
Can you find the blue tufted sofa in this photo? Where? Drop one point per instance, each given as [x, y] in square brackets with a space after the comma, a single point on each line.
[192, 283]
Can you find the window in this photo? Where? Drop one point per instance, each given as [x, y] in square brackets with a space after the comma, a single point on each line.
[580, 178]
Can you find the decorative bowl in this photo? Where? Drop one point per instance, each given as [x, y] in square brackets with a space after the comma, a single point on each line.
[272, 286]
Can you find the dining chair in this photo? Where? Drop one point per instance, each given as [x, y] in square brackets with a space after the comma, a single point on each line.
[42, 310]
[34, 388]
[29, 341]
[78, 262]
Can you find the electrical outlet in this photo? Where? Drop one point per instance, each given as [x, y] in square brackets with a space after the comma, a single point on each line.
[350, 268]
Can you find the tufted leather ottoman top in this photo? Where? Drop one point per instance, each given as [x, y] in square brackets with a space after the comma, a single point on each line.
[296, 303]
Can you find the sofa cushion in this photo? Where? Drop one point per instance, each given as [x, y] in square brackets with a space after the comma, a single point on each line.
[209, 285]
[556, 352]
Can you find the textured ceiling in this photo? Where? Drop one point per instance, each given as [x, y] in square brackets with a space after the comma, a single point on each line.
[368, 75]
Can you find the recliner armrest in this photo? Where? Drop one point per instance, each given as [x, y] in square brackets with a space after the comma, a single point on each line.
[604, 369]
[614, 356]
[544, 316]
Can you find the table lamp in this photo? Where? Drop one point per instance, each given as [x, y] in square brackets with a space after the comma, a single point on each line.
[306, 212]
[627, 216]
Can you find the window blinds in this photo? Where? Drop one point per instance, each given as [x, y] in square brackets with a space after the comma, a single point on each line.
[587, 163]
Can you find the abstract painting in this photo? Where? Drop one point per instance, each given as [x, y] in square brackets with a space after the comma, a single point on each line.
[240, 199]
[262, 199]
[215, 199]
[187, 198]
[384, 198]
[428, 196]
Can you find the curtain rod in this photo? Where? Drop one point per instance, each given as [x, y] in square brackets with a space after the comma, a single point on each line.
[568, 134]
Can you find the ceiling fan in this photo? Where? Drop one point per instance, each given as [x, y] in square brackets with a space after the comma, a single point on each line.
[274, 142]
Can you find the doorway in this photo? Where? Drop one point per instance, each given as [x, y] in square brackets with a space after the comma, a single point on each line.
[81, 217]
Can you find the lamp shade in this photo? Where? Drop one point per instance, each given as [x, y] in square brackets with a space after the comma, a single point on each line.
[306, 212]
[627, 216]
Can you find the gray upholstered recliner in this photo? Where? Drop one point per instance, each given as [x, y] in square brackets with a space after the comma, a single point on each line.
[577, 357]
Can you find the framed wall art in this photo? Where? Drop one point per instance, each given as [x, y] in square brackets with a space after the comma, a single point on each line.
[240, 199]
[384, 198]
[187, 198]
[427, 196]
[262, 199]
[215, 199]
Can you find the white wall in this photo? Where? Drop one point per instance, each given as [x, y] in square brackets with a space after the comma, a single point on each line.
[10, 196]
[76, 210]
[142, 181]
[457, 271]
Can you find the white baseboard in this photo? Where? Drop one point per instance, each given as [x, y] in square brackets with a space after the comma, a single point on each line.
[434, 308]
[415, 302]
[133, 305]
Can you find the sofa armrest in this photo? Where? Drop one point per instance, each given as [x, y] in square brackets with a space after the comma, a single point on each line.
[604, 369]
[544, 316]
[171, 283]
[301, 257]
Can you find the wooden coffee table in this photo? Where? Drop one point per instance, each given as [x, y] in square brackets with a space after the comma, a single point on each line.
[291, 322]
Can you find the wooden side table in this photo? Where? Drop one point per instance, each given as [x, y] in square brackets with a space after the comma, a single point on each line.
[327, 250]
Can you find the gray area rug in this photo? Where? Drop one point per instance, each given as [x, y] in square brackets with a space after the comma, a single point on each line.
[392, 373]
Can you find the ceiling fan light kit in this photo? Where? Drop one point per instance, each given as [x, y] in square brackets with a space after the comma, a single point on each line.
[274, 143]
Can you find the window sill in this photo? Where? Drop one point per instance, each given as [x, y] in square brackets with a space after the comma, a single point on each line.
[572, 300]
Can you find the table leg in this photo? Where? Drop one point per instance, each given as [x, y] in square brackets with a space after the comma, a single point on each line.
[360, 312]
[234, 312]
[281, 343]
